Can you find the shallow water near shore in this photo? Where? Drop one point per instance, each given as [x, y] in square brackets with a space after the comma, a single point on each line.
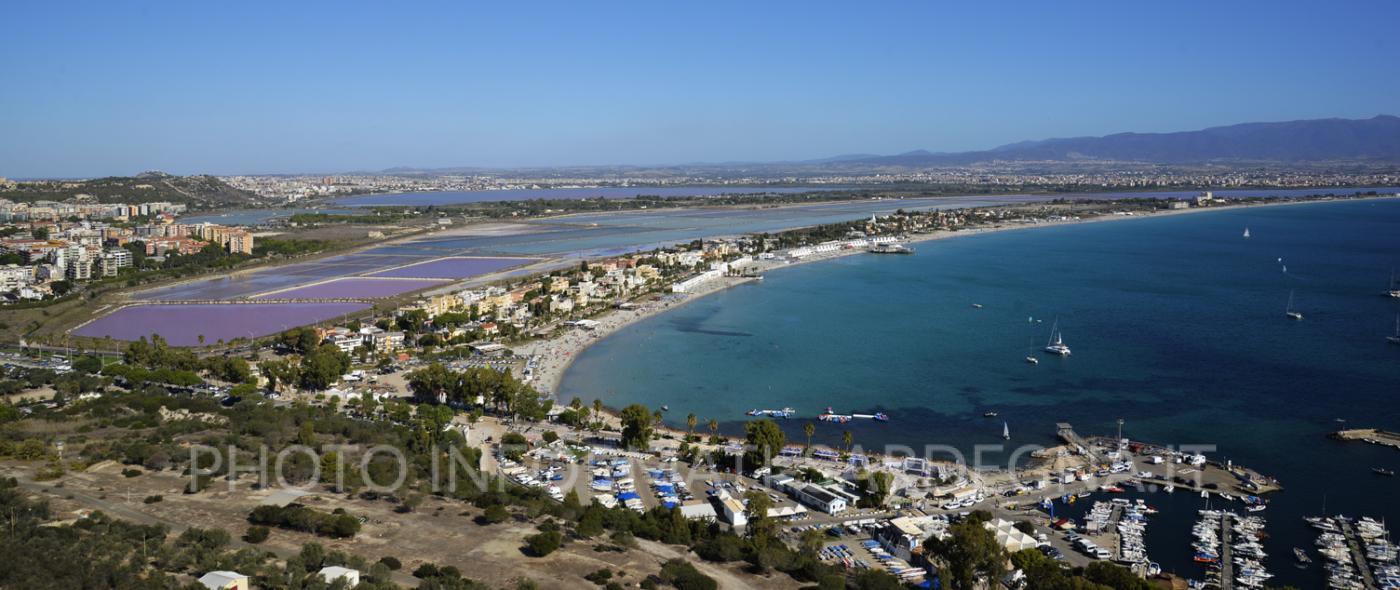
[1177, 326]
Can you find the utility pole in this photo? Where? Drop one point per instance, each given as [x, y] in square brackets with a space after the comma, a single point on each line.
[1120, 429]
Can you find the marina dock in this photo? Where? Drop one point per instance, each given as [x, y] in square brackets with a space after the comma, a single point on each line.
[1227, 564]
[1358, 554]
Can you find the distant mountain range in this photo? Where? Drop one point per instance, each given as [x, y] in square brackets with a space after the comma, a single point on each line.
[1318, 140]
[1371, 142]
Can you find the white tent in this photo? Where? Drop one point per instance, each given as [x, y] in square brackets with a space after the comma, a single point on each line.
[1011, 538]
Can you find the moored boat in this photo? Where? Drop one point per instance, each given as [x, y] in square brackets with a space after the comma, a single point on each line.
[1056, 345]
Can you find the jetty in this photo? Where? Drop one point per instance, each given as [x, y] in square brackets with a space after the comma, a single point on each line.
[1374, 436]
[1227, 563]
[1066, 433]
[1358, 554]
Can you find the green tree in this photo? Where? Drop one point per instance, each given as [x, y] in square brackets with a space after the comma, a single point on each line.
[971, 552]
[756, 507]
[809, 429]
[322, 367]
[765, 439]
[877, 486]
[848, 440]
[637, 428]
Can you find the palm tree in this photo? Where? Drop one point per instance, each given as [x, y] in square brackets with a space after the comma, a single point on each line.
[598, 410]
[582, 418]
[809, 430]
[714, 428]
[690, 422]
[848, 439]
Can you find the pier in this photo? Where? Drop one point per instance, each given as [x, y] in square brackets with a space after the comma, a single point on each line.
[1227, 565]
[1374, 436]
[1358, 554]
[1067, 434]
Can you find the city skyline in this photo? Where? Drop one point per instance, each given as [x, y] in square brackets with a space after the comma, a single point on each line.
[246, 90]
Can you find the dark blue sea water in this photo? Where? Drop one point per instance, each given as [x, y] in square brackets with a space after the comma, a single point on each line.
[1177, 326]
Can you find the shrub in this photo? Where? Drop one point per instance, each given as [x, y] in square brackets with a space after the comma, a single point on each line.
[543, 544]
[599, 577]
[681, 574]
[256, 534]
[494, 514]
[391, 562]
[300, 518]
[153, 499]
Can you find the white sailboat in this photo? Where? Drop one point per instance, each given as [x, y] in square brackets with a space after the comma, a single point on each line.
[1393, 291]
[1288, 311]
[1056, 345]
[1396, 338]
[1246, 232]
[1005, 431]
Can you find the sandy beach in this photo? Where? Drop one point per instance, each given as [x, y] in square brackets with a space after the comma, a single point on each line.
[554, 356]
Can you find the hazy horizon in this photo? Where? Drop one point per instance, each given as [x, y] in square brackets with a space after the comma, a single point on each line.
[103, 90]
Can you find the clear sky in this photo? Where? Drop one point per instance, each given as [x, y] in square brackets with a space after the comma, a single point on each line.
[296, 86]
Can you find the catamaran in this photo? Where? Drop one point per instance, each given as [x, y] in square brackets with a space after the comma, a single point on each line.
[1057, 342]
[1289, 312]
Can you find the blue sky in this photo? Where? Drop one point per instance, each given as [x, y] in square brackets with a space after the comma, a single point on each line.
[248, 87]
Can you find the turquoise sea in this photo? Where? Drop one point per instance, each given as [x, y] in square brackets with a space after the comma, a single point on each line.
[1176, 323]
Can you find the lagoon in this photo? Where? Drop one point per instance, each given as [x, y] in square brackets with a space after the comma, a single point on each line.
[194, 324]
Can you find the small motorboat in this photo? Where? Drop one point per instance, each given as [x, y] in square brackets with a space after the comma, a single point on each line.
[1301, 556]
[989, 414]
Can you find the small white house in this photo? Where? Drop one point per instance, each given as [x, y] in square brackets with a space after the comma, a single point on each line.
[224, 580]
[332, 573]
[821, 498]
[699, 511]
[734, 511]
